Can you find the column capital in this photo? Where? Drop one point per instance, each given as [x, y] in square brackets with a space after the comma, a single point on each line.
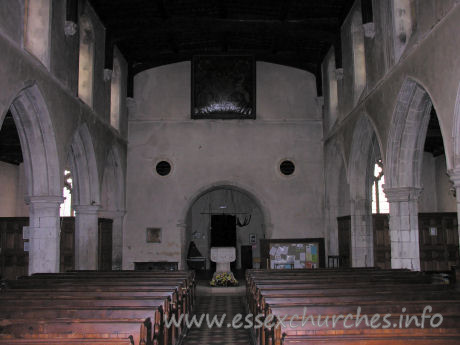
[398, 194]
[369, 30]
[108, 74]
[454, 175]
[44, 200]
[339, 73]
[70, 28]
[131, 105]
[86, 209]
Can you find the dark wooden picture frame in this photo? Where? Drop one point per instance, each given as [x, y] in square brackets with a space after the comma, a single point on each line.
[153, 235]
[223, 87]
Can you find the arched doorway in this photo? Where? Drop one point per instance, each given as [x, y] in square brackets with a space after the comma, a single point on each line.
[226, 216]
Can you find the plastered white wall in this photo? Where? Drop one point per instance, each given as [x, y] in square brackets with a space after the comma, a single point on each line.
[206, 153]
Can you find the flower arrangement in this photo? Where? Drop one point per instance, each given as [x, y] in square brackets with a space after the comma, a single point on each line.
[224, 279]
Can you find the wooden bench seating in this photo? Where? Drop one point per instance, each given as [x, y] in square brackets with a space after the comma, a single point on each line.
[87, 308]
[285, 295]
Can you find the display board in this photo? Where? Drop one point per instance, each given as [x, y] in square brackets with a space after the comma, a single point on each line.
[293, 253]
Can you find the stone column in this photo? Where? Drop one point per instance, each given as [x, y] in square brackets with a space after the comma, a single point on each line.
[455, 178]
[404, 232]
[43, 233]
[117, 236]
[86, 237]
[362, 237]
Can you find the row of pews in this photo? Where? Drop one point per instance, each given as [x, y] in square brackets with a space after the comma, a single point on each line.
[352, 293]
[95, 308]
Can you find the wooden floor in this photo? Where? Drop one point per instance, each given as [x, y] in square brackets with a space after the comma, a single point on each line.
[218, 305]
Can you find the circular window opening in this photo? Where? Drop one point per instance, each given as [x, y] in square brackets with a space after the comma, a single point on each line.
[163, 168]
[287, 168]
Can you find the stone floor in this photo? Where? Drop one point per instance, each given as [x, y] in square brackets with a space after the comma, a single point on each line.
[217, 304]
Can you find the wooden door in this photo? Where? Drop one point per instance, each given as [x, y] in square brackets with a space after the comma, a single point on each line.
[67, 244]
[344, 228]
[105, 244]
[438, 238]
[14, 260]
[382, 243]
[246, 257]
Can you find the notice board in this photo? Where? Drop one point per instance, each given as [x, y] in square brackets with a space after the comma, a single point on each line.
[293, 253]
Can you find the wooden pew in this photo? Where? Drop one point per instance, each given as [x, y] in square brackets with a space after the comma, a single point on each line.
[69, 303]
[332, 293]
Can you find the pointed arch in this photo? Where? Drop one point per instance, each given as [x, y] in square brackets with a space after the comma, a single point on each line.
[85, 198]
[43, 180]
[82, 160]
[112, 189]
[337, 194]
[403, 185]
[364, 151]
[456, 131]
[38, 142]
[113, 203]
[407, 136]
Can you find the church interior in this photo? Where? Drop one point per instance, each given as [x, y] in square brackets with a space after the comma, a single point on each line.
[306, 151]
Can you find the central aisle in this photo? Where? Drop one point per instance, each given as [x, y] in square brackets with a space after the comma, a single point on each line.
[218, 304]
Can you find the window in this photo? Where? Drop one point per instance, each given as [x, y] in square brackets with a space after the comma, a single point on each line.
[379, 200]
[115, 94]
[66, 206]
[86, 61]
[333, 96]
[359, 60]
[163, 168]
[37, 29]
[287, 167]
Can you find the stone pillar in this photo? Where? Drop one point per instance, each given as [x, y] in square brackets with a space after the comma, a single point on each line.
[362, 237]
[43, 233]
[86, 237]
[117, 236]
[455, 178]
[404, 232]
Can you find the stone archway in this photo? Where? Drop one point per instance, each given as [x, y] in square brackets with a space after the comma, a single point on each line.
[403, 166]
[337, 194]
[238, 202]
[43, 180]
[364, 152]
[85, 198]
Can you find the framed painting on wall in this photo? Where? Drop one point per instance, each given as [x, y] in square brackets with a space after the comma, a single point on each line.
[223, 87]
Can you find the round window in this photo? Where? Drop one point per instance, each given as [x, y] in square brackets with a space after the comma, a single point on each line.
[163, 168]
[287, 168]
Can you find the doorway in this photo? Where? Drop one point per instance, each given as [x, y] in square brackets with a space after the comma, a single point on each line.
[246, 257]
[223, 234]
[224, 216]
